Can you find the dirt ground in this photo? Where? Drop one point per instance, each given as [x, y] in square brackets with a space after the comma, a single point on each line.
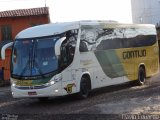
[115, 102]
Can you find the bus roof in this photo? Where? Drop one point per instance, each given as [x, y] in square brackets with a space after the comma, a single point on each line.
[58, 28]
[47, 30]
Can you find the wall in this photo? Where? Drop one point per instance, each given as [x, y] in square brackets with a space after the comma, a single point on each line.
[20, 23]
[146, 11]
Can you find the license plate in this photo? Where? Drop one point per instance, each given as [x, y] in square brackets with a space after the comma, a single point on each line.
[32, 93]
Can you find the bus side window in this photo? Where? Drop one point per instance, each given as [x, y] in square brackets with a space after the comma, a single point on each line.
[88, 40]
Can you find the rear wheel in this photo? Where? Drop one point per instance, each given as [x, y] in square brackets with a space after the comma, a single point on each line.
[141, 76]
[85, 87]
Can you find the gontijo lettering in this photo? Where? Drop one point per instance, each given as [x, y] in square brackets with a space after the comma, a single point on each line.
[134, 54]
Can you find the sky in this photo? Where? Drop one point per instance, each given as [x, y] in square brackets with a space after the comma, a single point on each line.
[74, 10]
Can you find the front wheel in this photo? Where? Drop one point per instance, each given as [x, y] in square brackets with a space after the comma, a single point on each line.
[141, 76]
[85, 87]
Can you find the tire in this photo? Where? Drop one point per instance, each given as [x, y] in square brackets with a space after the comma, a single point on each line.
[141, 76]
[85, 87]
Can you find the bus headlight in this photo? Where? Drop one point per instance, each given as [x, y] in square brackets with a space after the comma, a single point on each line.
[54, 80]
[57, 78]
[13, 83]
[50, 83]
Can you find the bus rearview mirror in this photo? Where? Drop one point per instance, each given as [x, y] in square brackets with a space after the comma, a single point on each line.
[58, 46]
[4, 49]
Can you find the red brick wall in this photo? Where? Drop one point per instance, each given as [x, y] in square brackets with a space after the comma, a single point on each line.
[6, 64]
[20, 23]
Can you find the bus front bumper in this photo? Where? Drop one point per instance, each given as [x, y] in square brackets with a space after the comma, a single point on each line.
[50, 91]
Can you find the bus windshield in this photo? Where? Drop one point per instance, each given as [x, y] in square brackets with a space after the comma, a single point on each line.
[32, 58]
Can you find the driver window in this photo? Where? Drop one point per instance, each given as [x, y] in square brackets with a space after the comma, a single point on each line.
[68, 48]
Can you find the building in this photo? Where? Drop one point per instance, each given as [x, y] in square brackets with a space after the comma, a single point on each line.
[146, 11]
[14, 21]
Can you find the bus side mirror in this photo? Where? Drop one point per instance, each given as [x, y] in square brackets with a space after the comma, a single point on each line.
[4, 49]
[58, 46]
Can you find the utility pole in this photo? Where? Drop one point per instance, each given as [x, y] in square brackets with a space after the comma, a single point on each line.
[45, 3]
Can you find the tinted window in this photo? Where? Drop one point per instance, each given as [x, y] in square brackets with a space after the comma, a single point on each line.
[6, 32]
[88, 40]
[138, 41]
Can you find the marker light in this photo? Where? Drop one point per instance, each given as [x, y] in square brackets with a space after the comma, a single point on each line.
[56, 91]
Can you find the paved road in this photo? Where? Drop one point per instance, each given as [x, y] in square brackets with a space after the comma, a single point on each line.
[110, 102]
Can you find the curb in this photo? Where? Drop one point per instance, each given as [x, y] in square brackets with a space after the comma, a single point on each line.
[5, 89]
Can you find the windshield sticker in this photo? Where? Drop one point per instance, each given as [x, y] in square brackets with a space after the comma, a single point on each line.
[26, 42]
[45, 63]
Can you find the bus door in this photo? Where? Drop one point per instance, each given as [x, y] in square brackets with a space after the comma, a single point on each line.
[67, 55]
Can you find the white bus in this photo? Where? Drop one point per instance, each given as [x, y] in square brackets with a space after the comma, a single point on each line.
[76, 57]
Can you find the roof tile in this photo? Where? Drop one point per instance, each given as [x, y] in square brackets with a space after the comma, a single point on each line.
[25, 12]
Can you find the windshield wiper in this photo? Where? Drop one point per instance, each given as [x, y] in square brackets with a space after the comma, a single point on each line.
[28, 65]
[34, 63]
[37, 66]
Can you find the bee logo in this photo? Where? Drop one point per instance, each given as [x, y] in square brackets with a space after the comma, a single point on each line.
[69, 87]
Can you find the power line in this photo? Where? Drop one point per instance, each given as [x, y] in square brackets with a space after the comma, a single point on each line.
[17, 0]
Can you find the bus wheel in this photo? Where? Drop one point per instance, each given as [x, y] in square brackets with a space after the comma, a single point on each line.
[85, 87]
[141, 76]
